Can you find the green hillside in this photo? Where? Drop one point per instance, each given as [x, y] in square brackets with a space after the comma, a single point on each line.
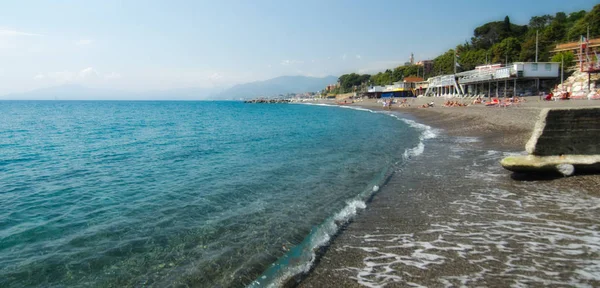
[496, 42]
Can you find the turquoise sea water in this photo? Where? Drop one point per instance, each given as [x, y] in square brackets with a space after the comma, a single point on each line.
[198, 193]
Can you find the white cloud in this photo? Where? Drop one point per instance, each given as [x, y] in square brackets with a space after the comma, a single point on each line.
[358, 56]
[84, 42]
[291, 62]
[39, 77]
[112, 75]
[11, 32]
[87, 73]
[215, 76]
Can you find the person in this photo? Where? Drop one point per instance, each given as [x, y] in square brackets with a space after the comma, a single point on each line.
[494, 102]
[549, 96]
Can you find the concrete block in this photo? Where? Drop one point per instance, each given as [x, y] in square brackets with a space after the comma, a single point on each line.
[573, 131]
[565, 165]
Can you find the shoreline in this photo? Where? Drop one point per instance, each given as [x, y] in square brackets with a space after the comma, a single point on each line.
[504, 130]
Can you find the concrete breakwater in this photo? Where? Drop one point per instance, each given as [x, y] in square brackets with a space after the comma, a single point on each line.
[563, 140]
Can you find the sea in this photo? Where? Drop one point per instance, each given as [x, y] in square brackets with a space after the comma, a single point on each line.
[198, 194]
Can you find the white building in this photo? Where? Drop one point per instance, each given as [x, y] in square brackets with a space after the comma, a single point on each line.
[474, 82]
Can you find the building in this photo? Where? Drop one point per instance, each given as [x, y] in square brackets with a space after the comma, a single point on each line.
[413, 79]
[398, 89]
[427, 66]
[331, 87]
[494, 80]
[575, 47]
[586, 54]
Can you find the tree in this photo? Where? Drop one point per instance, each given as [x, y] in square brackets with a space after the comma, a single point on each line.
[364, 78]
[506, 51]
[565, 57]
[349, 81]
[411, 70]
[591, 20]
[557, 30]
[472, 58]
[528, 50]
[382, 78]
[506, 31]
[540, 22]
[560, 17]
[486, 35]
[444, 64]
[575, 16]
[398, 74]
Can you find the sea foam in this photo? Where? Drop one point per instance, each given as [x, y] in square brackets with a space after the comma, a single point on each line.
[300, 259]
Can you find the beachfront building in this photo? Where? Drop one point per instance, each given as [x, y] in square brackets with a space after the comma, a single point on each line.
[397, 89]
[421, 87]
[519, 78]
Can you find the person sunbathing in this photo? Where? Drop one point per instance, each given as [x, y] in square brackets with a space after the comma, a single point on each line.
[477, 100]
[494, 101]
[549, 96]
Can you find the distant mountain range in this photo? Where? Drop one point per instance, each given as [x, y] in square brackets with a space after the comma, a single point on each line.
[276, 86]
[271, 87]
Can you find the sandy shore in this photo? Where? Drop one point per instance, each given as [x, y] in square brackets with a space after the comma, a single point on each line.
[457, 218]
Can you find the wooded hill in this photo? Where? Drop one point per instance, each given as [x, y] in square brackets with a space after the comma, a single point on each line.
[496, 42]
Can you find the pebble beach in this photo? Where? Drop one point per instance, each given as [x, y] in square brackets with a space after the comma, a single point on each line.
[456, 217]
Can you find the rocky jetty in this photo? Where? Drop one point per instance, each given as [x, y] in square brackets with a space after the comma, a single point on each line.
[268, 101]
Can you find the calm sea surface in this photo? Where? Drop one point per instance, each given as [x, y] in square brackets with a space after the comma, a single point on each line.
[168, 193]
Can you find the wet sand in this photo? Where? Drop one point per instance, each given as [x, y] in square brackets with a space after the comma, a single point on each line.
[452, 216]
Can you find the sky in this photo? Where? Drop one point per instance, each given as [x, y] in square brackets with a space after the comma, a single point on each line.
[161, 45]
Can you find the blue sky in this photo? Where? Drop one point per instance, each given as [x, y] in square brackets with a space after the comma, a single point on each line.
[150, 45]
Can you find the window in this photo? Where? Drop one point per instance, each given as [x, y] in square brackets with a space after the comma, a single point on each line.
[548, 67]
[534, 67]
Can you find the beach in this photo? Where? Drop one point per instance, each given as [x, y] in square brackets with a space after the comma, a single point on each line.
[457, 218]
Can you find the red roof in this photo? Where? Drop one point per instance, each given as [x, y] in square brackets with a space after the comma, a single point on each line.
[575, 45]
[413, 79]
